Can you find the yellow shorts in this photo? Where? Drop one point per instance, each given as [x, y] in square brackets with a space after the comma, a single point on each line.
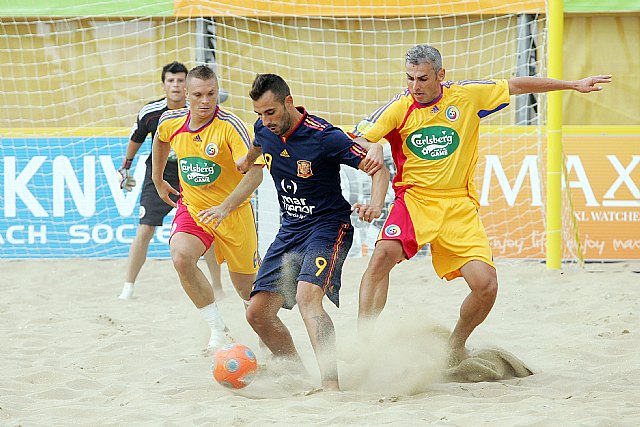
[452, 226]
[235, 240]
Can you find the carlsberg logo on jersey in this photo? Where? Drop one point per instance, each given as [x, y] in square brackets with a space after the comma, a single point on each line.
[198, 171]
[433, 142]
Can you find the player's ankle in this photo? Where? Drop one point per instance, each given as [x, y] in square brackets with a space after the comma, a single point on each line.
[127, 290]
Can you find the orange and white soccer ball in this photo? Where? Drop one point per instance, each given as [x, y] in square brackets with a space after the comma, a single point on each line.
[234, 365]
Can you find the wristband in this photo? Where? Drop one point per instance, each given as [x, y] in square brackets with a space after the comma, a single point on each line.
[126, 163]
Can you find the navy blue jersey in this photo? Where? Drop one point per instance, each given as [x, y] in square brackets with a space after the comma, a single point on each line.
[305, 166]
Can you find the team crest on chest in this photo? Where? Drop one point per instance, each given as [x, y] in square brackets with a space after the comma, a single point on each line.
[452, 113]
[211, 149]
[304, 169]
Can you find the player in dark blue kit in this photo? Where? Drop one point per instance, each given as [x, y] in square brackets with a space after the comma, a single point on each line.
[304, 154]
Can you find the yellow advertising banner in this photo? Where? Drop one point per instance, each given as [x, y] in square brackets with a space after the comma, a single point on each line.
[604, 177]
[602, 193]
[352, 7]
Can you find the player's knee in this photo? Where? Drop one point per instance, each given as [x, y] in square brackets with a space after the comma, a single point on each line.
[384, 258]
[259, 320]
[309, 297]
[487, 288]
[254, 317]
[145, 232]
[181, 262]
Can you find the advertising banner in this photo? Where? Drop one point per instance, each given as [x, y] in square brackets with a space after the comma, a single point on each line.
[61, 198]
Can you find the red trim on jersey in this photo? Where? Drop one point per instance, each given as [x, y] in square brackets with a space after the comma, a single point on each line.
[185, 125]
[358, 150]
[293, 129]
[334, 256]
[395, 140]
[310, 122]
[406, 116]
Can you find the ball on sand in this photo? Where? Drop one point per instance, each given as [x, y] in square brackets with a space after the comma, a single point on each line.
[234, 365]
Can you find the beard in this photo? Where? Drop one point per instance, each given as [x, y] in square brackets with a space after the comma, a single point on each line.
[285, 125]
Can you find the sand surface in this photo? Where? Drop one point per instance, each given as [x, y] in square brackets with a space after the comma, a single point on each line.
[74, 354]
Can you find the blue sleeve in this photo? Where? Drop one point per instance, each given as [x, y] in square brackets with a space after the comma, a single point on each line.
[256, 133]
[342, 149]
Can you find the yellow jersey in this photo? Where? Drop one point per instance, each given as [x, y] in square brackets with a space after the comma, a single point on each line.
[435, 145]
[206, 156]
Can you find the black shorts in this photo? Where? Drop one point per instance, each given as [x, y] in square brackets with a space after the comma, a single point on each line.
[152, 208]
[315, 255]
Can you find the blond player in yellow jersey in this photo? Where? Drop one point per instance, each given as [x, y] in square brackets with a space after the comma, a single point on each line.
[214, 202]
[433, 129]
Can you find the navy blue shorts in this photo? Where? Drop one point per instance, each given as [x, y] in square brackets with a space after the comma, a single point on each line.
[315, 255]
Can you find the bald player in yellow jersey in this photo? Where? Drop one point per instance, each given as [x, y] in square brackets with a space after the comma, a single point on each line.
[214, 203]
[433, 130]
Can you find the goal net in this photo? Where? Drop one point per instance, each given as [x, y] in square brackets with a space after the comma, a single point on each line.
[75, 77]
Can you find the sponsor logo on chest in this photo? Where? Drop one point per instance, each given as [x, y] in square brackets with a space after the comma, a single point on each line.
[196, 171]
[433, 142]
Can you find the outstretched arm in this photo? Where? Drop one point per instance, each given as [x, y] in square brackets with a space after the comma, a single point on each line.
[245, 187]
[160, 153]
[520, 85]
[379, 185]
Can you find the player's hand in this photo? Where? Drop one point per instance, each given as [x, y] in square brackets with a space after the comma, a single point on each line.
[243, 165]
[366, 212]
[374, 160]
[215, 214]
[127, 182]
[591, 84]
[164, 189]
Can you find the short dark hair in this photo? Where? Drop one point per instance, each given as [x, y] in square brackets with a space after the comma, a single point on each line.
[175, 67]
[201, 72]
[269, 82]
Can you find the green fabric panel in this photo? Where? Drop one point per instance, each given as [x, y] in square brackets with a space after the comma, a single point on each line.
[598, 6]
[86, 8]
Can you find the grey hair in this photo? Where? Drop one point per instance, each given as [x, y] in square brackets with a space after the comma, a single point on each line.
[424, 53]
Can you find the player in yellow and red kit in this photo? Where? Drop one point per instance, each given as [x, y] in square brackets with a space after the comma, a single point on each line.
[433, 129]
[208, 141]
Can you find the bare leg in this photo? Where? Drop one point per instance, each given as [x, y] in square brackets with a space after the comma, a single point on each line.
[483, 282]
[374, 285]
[243, 283]
[262, 315]
[321, 332]
[186, 249]
[214, 272]
[137, 258]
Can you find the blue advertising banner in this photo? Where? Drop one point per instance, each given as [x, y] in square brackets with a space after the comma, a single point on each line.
[61, 199]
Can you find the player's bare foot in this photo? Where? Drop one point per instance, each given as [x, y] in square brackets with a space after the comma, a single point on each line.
[319, 390]
[330, 386]
[457, 355]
